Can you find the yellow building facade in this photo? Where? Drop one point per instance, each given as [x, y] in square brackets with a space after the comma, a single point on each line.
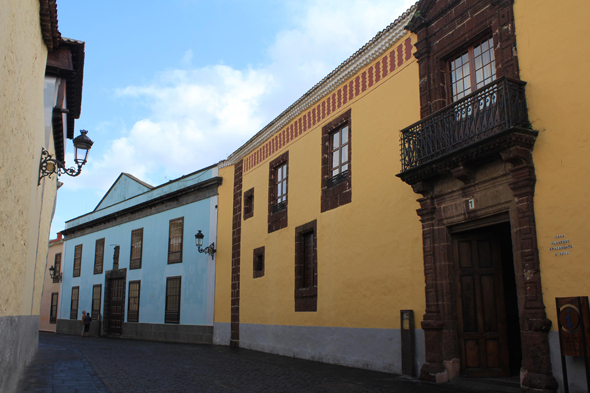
[321, 246]
[361, 279]
[30, 90]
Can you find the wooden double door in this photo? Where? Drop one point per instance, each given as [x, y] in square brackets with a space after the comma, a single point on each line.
[487, 306]
[116, 305]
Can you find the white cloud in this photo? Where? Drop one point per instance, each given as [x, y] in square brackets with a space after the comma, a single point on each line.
[200, 115]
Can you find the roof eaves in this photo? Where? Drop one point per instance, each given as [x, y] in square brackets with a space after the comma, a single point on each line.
[48, 21]
[366, 54]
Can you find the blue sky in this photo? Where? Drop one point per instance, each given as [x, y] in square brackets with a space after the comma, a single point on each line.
[174, 86]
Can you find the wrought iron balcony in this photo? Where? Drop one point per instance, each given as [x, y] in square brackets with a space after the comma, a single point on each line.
[491, 111]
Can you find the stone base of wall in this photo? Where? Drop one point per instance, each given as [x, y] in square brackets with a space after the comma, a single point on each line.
[576, 374]
[191, 334]
[19, 342]
[371, 349]
[221, 333]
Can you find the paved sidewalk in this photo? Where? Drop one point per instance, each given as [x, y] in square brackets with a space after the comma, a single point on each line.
[58, 369]
[77, 364]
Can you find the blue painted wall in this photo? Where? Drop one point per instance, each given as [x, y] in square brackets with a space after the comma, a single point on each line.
[196, 269]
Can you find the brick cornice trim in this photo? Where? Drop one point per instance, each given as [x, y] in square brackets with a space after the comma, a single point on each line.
[382, 42]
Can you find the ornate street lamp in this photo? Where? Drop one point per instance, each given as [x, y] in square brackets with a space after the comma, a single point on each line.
[53, 274]
[49, 165]
[207, 250]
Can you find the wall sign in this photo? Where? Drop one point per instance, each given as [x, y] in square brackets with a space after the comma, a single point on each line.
[561, 246]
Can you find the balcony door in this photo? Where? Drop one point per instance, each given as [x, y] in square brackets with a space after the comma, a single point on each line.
[469, 72]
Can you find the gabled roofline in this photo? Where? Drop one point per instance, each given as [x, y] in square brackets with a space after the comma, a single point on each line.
[116, 181]
[361, 58]
[152, 189]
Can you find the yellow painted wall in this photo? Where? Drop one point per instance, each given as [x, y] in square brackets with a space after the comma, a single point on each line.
[49, 287]
[224, 246]
[365, 279]
[554, 54]
[25, 212]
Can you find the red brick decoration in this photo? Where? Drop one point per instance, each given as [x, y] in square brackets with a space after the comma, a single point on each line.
[306, 267]
[360, 84]
[258, 262]
[235, 260]
[341, 193]
[249, 204]
[277, 218]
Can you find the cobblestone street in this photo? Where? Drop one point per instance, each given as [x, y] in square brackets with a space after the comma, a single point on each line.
[77, 364]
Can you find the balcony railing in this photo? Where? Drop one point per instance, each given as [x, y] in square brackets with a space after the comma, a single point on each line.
[490, 110]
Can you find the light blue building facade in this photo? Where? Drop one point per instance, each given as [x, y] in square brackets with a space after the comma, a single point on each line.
[134, 264]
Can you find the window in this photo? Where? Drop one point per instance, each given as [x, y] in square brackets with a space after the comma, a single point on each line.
[337, 162]
[249, 204]
[258, 262]
[96, 295]
[338, 156]
[473, 69]
[306, 267]
[98, 256]
[281, 185]
[277, 192]
[136, 248]
[133, 308]
[77, 260]
[57, 267]
[175, 240]
[74, 306]
[53, 310]
[172, 300]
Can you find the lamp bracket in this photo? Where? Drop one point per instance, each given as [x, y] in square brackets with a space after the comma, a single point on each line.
[58, 167]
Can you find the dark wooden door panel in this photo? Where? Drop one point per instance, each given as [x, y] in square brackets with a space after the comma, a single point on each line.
[117, 304]
[480, 302]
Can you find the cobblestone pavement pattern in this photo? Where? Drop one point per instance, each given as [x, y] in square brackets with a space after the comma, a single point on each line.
[76, 364]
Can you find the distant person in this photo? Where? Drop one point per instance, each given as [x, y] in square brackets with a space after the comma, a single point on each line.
[83, 321]
[87, 322]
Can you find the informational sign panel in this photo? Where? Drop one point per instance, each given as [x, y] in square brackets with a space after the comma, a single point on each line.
[573, 320]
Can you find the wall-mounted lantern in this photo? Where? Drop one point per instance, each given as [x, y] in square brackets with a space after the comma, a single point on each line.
[207, 250]
[49, 165]
[53, 274]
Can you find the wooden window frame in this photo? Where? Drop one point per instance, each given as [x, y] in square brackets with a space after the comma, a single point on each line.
[342, 174]
[277, 212]
[306, 296]
[172, 316]
[77, 261]
[96, 300]
[258, 262]
[74, 311]
[172, 253]
[99, 256]
[135, 263]
[57, 267]
[53, 308]
[249, 204]
[470, 51]
[336, 190]
[133, 316]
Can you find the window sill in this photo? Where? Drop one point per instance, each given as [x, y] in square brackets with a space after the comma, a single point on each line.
[279, 207]
[340, 178]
